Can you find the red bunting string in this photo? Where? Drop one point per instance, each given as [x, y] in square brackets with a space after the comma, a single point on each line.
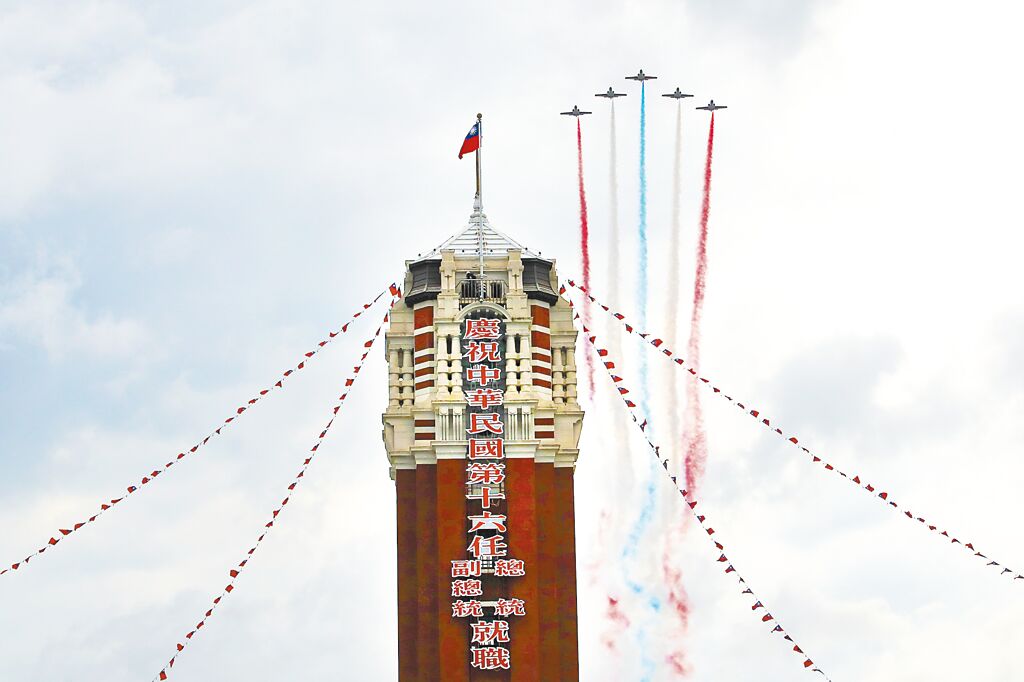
[712, 534]
[235, 572]
[152, 475]
[877, 492]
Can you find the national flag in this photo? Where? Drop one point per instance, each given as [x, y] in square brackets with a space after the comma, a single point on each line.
[472, 141]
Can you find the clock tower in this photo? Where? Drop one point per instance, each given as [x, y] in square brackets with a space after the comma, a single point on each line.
[481, 430]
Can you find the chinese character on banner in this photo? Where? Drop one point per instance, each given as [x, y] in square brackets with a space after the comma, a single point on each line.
[482, 374]
[510, 607]
[489, 448]
[482, 422]
[482, 354]
[494, 545]
[490, 631]
[487, 521]
[465, 568]
[509, 568]
[485, 397]
[491, 658]
[467, 588]
[485, 472]
[485, 496]
[482, 351]
[483, 329]
[461, 609]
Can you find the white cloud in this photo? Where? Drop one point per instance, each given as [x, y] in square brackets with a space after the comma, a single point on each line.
[227, 180]
[39, 308]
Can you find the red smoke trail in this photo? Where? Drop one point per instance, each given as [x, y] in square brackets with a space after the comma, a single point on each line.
[617, 616]
[697, 445]
[679, 601]
[588, 361]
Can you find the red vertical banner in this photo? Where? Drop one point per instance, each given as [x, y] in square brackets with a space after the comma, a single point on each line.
[488, 559]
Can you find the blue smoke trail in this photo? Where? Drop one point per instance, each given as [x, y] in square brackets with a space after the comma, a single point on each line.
[641, 289]
[646, 516]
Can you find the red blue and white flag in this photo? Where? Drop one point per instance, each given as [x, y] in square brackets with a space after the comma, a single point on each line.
[472, 141]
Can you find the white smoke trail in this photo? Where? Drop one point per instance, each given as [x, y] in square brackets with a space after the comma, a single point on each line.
[622, 468]
[672, 527]
[618, 472]
[673, 440]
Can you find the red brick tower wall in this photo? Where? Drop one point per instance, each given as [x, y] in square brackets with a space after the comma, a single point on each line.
[540, 340]
[434, 646]
[423, 346]
[431, 529]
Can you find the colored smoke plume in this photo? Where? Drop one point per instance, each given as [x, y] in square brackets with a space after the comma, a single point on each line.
[619, 469]
[648, 492]
[641, 288]
[588, 358]
[697, 447]
[679, 601]
[672, 299]
[677, 598]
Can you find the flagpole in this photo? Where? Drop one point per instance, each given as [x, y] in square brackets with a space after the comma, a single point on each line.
[479, 151]
[479, 203]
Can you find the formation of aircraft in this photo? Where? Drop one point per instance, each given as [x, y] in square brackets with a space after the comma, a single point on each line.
[640, 77]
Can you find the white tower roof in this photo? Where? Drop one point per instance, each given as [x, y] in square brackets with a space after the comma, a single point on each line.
[479, 238]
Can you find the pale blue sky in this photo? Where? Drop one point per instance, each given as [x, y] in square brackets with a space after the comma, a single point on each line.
[191, 196]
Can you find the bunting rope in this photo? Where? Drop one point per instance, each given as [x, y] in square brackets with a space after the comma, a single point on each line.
[234, 573]
[691, 503]
[760, 417]
[151, 476]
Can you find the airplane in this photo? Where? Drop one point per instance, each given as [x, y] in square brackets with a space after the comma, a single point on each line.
[641, 76]
[712, 106]
[575, 112]
[611, 94]
[677, 94]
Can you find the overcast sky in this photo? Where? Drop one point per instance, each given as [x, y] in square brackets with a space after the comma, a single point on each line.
[193, 194]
